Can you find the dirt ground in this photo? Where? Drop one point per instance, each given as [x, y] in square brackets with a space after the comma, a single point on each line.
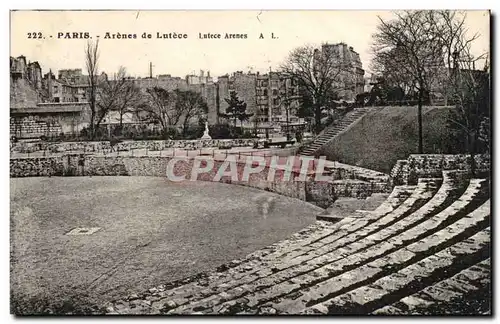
[150, 231]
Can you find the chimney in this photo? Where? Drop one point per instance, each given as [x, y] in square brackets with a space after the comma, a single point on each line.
[208, 74]
[49, 85]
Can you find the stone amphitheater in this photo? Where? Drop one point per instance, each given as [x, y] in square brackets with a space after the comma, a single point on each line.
[424, 250]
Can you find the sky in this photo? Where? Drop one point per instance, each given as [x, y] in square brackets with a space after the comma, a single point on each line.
[179, 57]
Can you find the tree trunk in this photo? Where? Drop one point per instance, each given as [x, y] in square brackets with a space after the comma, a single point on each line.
[472, 139]
[92, 125]
[317, 118]
[420, 136]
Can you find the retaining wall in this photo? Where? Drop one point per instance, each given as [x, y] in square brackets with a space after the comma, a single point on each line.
[322, 193]
[158, 145]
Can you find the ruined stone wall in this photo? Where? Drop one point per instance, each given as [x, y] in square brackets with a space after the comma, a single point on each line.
[431, 165]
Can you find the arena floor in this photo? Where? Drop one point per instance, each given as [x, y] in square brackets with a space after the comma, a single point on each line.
[148, 231]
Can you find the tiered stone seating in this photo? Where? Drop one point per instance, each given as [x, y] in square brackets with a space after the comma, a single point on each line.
[421, 241]
[452, 295]
[426, 267]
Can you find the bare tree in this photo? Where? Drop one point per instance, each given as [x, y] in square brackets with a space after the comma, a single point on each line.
[432, 50]
[92, 60]
[160, 106]
[469, 88]
[108, 95]
[131, 97]
[409, 47]
[320, 75]
[115, 95]
[190, 104]
[126, 94]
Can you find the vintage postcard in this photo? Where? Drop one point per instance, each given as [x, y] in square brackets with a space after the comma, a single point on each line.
[250, 162]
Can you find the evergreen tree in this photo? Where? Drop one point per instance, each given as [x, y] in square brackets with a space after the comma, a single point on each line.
[236, 109]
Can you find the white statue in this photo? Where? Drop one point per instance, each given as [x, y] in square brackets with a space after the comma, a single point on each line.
[206, 136]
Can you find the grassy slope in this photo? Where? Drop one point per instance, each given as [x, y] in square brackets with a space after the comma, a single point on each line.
[385, 135]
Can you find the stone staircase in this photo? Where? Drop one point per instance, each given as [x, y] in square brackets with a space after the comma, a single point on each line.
[424, 250]
[331, 131]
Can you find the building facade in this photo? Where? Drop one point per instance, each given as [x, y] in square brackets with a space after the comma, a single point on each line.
[350, 79]
[26, 86]
[34, 111]
[268, 96]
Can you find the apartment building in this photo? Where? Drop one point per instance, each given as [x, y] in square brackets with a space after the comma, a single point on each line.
[350, 81]
[268, 96]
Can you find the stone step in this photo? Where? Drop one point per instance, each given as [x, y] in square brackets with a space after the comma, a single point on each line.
[333, 130]
[431, 299]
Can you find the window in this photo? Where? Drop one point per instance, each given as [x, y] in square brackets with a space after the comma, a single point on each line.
[275, 92]
[265, 92]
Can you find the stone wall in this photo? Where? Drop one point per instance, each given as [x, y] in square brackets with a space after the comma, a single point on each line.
[23, 147]
[33, 126]
[431, 165]
[321, 193]
[48, 119]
